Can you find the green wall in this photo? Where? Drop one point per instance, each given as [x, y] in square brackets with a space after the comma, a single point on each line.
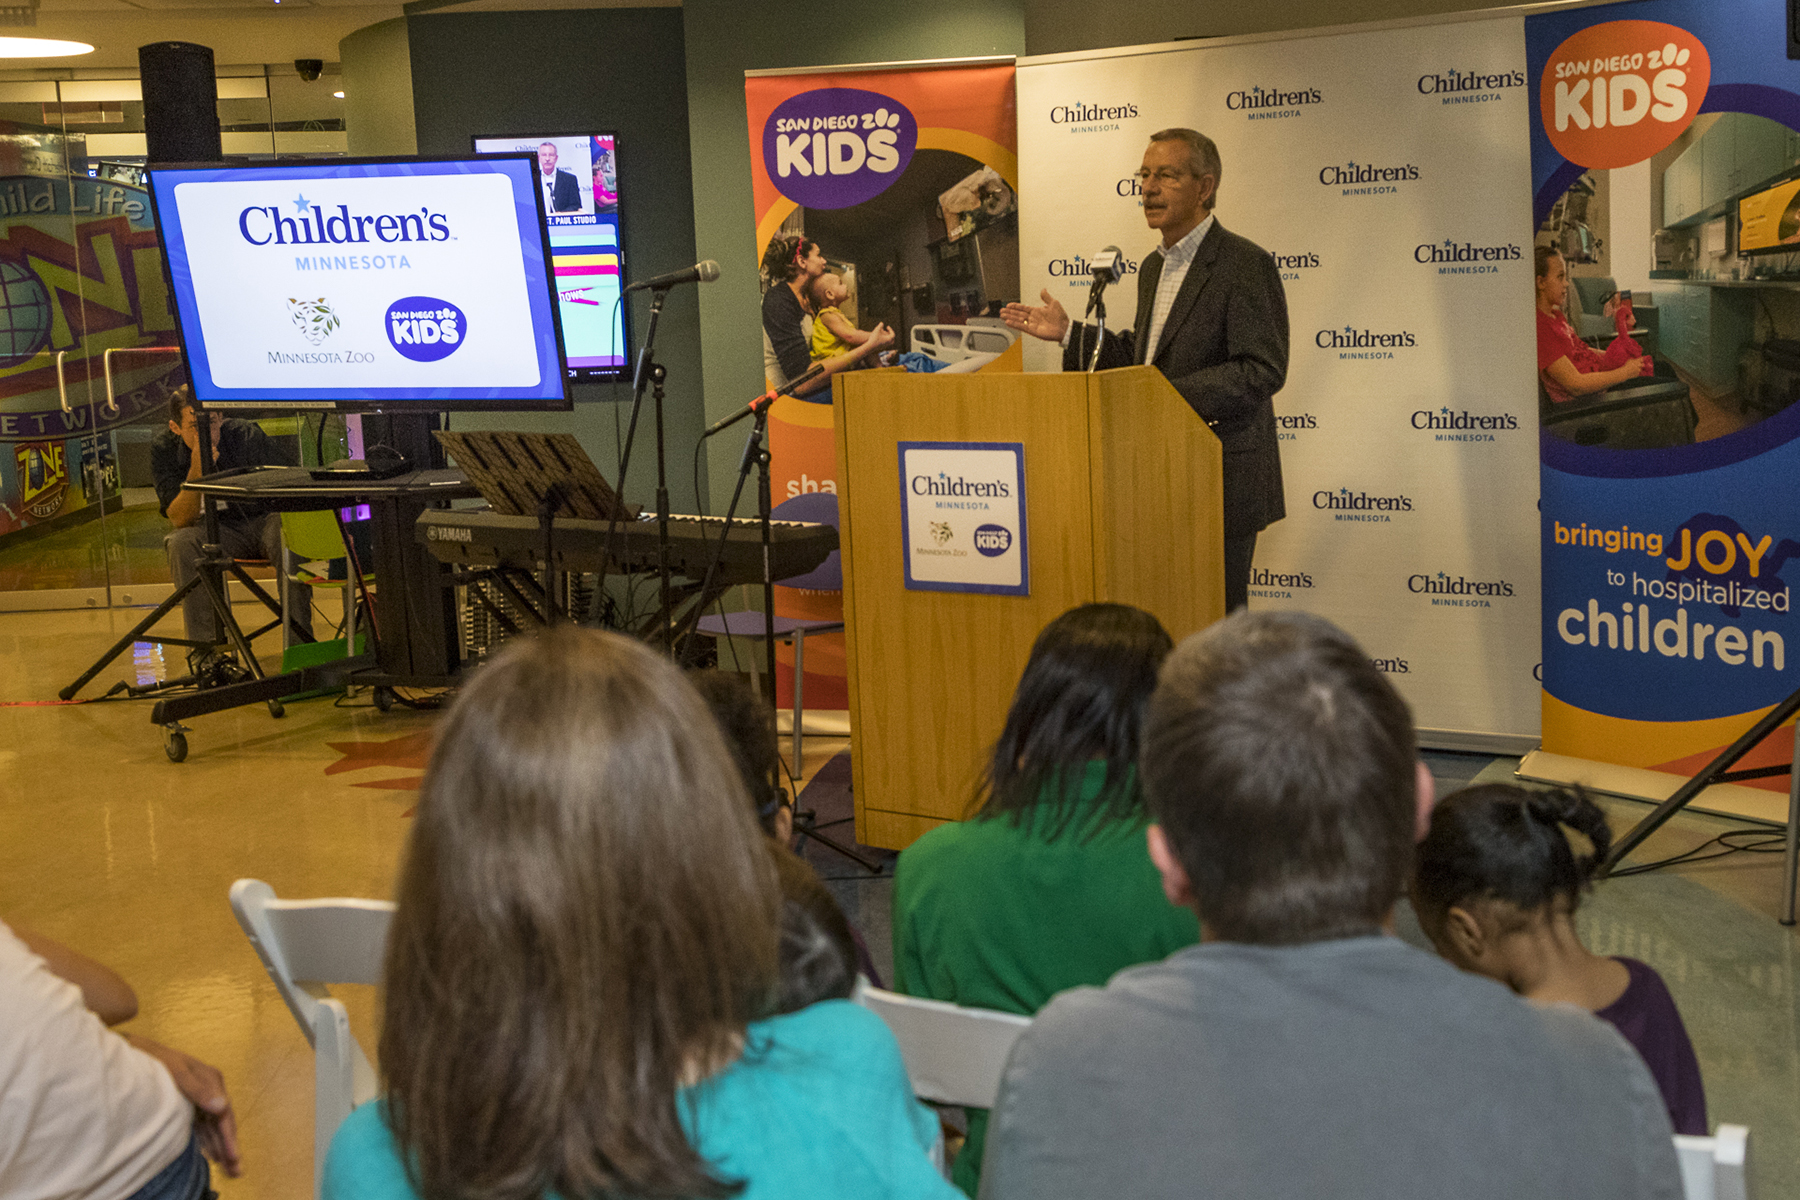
[724, 39]
[570, 71]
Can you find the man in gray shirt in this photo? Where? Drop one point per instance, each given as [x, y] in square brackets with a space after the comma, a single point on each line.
[1300, 1050]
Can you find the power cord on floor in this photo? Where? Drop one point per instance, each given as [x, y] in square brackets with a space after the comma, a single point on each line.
[1761, 841]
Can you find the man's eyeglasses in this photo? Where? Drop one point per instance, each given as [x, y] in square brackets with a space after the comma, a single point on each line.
[1162, 175]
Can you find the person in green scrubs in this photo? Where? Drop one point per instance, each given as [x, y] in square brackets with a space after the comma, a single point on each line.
[1049, 885]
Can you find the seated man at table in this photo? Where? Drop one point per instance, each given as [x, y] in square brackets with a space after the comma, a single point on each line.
[245, 530]
[1302, 1050]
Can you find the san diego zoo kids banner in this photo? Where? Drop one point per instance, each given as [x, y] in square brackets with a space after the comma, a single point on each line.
[1665, 161]
[908, 180]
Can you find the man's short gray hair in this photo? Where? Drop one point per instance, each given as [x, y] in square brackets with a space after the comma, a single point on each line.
[1203, 155]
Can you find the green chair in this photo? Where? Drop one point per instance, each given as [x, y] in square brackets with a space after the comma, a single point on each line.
[312, 541]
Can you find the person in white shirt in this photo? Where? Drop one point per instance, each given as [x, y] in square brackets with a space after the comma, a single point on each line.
[89, 1114]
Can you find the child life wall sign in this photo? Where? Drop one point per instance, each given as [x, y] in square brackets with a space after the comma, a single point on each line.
[962, 517]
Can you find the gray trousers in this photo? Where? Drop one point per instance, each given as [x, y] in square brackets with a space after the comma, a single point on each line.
[258, 538]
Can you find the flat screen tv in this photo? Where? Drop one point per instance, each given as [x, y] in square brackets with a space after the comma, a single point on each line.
[1769, 220]
[578, 177]
[364, 285]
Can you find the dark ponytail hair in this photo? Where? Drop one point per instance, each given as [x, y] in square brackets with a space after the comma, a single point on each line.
[781, 261]
[1503, 842]
[1080, 700]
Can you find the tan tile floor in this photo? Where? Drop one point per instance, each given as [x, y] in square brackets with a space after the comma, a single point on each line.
[109, 847]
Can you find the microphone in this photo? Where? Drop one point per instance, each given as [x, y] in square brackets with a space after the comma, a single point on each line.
[761, 402]
[1109, 263]
[704, 272]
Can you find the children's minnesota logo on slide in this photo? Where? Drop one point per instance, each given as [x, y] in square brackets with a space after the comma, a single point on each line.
[1615, 94]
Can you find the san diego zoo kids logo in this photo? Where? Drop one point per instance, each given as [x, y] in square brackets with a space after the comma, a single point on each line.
[993, 540]
[1615, 94]
[837, 147]
[424, 328]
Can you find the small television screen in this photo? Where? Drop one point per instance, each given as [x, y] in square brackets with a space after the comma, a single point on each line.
[578, 176]
[363, 285]
[1769, 220]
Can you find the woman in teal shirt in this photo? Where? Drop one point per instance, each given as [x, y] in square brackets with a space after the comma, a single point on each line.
[1049, 885]
[582, 964]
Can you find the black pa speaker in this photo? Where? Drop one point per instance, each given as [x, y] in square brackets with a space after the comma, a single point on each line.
[1793, 19]
[181, 103]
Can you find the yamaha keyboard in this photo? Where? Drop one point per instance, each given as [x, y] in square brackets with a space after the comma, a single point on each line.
[483, 538]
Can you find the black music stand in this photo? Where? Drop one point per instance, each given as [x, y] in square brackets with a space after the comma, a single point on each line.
[546, 475]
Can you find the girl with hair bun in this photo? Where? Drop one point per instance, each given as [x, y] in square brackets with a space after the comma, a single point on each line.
[1496, 886]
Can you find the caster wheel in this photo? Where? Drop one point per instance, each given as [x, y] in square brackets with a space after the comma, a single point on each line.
[175, 746]
[384, 699]
[276, 711]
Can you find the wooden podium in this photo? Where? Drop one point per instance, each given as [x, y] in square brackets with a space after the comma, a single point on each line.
[1122, 502]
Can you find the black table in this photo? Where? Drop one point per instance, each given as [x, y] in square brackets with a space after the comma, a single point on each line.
[415, 616]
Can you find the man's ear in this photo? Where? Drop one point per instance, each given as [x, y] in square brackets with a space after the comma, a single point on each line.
[1425, 793]
[175, 427]
[1176, 885]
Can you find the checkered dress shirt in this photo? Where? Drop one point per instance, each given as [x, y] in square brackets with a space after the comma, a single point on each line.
[1176, 261]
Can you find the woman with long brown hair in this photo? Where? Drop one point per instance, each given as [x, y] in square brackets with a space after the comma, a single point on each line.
[583, 959]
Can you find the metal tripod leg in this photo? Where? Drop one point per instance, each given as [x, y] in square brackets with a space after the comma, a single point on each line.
[137, 635]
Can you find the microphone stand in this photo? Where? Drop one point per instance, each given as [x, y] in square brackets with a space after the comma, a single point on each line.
[1097, 305]
[651, 373]
[757, 454]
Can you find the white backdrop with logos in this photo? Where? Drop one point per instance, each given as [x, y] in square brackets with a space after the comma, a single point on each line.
[1388, 171]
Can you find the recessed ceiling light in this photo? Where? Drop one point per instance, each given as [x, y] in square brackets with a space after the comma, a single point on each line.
[29, 47]
[338, 95]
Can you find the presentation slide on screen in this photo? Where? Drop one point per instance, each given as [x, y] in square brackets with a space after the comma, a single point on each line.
[362, 285]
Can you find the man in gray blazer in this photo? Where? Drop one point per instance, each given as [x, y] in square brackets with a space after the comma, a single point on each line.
[1212, 317]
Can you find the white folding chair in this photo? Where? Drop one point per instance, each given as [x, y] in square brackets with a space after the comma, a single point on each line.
[1715, 1168]
[304, 945]
[954, 1055]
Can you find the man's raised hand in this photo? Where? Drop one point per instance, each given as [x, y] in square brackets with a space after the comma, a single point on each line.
[1050, 322]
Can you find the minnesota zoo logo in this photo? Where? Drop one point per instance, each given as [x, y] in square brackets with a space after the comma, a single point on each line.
[940, 532]
[313, 318]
